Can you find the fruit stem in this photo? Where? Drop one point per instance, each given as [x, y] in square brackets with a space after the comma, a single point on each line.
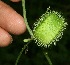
[47, 57]
[25, 19]
[21, 53]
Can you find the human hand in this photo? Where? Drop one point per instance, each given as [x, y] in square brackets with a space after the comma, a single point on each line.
[10, 22]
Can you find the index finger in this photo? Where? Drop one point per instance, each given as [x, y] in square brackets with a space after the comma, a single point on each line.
[10, 20]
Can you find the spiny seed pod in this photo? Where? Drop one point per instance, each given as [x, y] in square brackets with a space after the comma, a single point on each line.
[49, 28]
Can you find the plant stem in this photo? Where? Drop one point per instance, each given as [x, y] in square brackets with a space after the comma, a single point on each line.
[25, 19]
[30, 32]
[21, 53]
[47, 57]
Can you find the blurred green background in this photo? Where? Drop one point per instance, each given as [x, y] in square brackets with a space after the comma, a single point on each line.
[59, 54]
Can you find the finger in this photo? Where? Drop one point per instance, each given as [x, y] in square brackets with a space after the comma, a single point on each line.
[5, 38]
[15, 0]
[10, 20]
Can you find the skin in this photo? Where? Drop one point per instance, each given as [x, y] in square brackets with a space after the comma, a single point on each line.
[10, 22]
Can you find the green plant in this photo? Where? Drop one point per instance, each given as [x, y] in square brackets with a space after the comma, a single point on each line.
[48, 29]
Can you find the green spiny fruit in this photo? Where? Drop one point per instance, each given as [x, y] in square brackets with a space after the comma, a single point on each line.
[49, 28]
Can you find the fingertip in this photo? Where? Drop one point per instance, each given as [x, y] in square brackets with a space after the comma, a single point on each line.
[16, 25]
[15, 0]
[5, 38]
